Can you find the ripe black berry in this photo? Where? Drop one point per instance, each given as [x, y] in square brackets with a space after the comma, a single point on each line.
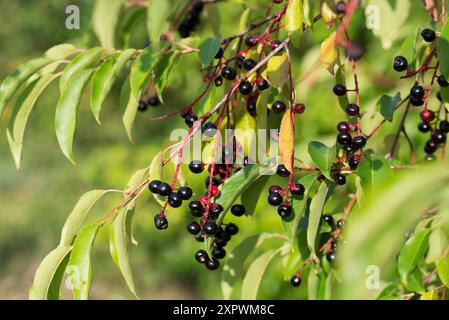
[199, 237]
[297, 189]
[239, 61]
[339, 90]
[331, 257]
[209, 129]
[160, 222]
[163, 189]
[262, 84]
[340, 223]
[196, 208]
[340, 7]
[279, 107]
[220, 242]
[417, 92]
[274, 189]
[282, 171]
[353, 162]
[219, 54]
[442, 81]
[174, 200]
[215, 209]
[210, 227]
[201, 256]
[400, 64]
[284, 210]
[142, 106]
[438, 137]
[212, 264]
[344, 138]
[352, 109]
[444, 126]
[343, 127]
[153, 186]
[185, 193]
[231, 229]
[190, 119]
[222, 235]
[417, 102]
[339, 179]
[238, 210]
[218, 253]
[424, 126]
[428, 35]
[153, 101]
[251, 107]
[228, 73]
[359, 142]
[218, 81]
[248, 64]
[275, 199]
[196, 166]
[193, 227]
[430, 147]
[250, 41]
[349, 149]
[215, 182]
[328, 219]
[295, 280]
[245, 87]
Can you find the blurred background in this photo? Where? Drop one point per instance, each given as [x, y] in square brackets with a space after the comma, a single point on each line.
[35, 201]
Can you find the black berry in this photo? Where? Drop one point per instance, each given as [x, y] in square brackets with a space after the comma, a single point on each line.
[218, 253]
[442, 81]
[275, 199]
[428, 35]
[228, 73]
[444, 126]
[250, 41]
[245, 87]
[262, 84]
[153, 186]
[201, 256]
[196, 166]
[231, 229]
[210, 227]
[238, 210]
[219, 54]
[359, 142]
[339, 179]
[174, 200]
[297, 189]
[218, 81]
[400, 64]
[163, 189]
[279, 107]
[430, 147]
[340, 7]
[339, 89]
[239, 61]
[295, 281]
[417, 102]
[330, 256]
[344, 138]
[328, 219]
[424, 126]
[199, 237]
[212, 264]
[282, 171]
[353, 162]
[196, 208]
[417, 92]
[185, 193]
[438, 137]
[190, 119]
[284, 210]
[352, 109]
[142, 106]
[160, 222]
[209, 129]
[153, 101]
[251, 107]
[193, 227]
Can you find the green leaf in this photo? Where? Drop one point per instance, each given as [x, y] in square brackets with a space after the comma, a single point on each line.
[66, 111]
[387, 105]
[316, 209]
[253, 277]
[443, 50]
[104, 20]
[208, 49]
[105, 77]
[438, 242]
[370, 120]
[250, 197]
[162, 71]
[18, 77]
[61, 51]
[323, 157]
[443, 270]
[80, 269]
[277, 70]
[240, 255]
[412, 252]
[299, 206]
[48, 276]
[156, 174]
[129, 24]
[84, 60]
[294, 20]
[414, 281]
[18, 123]
[373, 171]
[157, 22]
[313, 284]
[76, 218]
[213, 17]
[309, 12]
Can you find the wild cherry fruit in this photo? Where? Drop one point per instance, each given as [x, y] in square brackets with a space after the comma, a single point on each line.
[439, 96]
[340, 223]
[196, 166]
[218, 253]
[185, 193]
[282, 171]
[299, 108]
[331, 257]
[349, 149]
[262, 84]
[424, 126]
[428, 35]
[209, 129]
[328, 219]
[210, 227]
[199, 236]
[352, 109]
[417, 92]
[239, 61]
[442, 81]
[353, 162]
[163, 189]
[417, 102]
[248, 64]
[142, 106]
[154, 101]
[297, 189]
[218, 81]
[279, 107]
[174, 200]
[359, 142]
[295, 281]
[160, 222]
[245, 87]
[238, 210]
[231, 229]
[201, 256]
[190, 119]
[274, 189]
[344, 138]
[427, 115]
[339, 179]
[215, 209]
[438, 137]
[250, 41]
[343, 127]
[212, 264]
[193, 227]
[340, 7]
[275, 199]
[340, 89]
[444, 126]
[430, 147]
[284, 210]
[196, 208]
[219, 54]
[400, 64]
[228, 73]
[251, 107]
[222, 235]
[153, 185]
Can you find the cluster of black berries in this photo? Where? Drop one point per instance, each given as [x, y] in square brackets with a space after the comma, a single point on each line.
[438, 131]
[400, 63]
[191, 20]
[276, 193]
[331, 252]
[151, 101]
[175, 198]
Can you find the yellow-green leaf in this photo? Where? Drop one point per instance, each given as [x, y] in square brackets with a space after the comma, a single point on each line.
[277, 70]
[294, 20]
[287, 141]
[329, 53]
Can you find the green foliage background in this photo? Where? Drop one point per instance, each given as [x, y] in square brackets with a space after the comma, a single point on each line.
[35, 201]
